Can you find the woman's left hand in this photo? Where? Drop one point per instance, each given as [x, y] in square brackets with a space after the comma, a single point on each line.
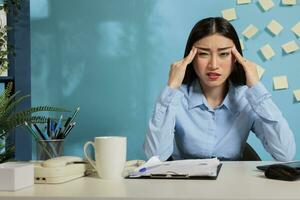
[249, 68]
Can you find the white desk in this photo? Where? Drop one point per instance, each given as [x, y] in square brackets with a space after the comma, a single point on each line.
[237, 180]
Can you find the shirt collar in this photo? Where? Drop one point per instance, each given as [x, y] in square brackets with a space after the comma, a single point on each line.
[195, 95]
[197, 98]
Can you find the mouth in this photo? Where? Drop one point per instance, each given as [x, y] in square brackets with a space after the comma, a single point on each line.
[213, 76]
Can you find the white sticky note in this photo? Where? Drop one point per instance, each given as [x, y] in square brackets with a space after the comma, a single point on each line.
[280, 82]
[275, 27]
[229, 14]
[242, 44]
[296, 29]
[289, 2]
[297, 94]
[250, 31]
[267, 51]
[243, 1]
[266, 4]
[260, 71]
[290, 47]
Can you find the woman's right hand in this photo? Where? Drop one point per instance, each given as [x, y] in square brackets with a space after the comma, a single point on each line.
[178, 69]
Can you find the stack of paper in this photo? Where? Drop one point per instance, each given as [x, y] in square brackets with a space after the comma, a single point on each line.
[180, 168]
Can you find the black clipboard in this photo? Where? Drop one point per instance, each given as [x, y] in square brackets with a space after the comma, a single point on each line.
[176, 176]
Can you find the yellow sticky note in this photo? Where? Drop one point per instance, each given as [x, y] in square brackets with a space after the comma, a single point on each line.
[290, 47]
[280, 82]
[296, 29]
[275, 27]
[266, 4]
[260, 71]
[243, 1]
[242, 44]
[250, 31]
[297, 94]
[229, 14]
[267, 51]
[289, 2]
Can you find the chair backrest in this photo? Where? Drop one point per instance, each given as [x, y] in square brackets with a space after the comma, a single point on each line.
[249, 154]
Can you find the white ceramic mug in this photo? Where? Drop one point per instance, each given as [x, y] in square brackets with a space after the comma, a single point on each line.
[110, 156]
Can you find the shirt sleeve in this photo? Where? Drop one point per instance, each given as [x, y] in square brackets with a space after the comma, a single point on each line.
[269, 124]
[160, 134]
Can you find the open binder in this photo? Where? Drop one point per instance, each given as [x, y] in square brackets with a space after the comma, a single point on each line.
[180, 169]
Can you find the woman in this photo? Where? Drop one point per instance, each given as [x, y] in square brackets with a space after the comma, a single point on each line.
[213, 100]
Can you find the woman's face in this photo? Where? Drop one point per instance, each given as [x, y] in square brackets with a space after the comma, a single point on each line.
[213, 62]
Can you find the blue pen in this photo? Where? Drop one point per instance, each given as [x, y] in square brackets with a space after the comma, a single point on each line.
[58, 126]
[52, 128]
[144, 169]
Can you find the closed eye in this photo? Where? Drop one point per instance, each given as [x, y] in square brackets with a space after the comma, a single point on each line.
[203, 54]
[224, 54]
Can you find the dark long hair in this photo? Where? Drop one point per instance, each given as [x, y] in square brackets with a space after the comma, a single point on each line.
[207, 27]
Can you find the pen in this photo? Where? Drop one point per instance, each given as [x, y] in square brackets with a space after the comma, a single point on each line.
[67, 122]
[144, 169]
[31, 131]
[48, 127]
[58, 126]
[52, 129]
[39, 131]
[69, 129]
[74, 115]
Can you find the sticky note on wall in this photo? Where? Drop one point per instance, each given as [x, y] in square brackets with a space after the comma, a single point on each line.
[243, 1]
[260, 71]
[280, 82]
[290, 47]
[266, 4]
[297, 94]
[267, 51]
[250, 31]
[274, 27]
[242, 44]
[229, 14]
[296, 29]
[289, 2]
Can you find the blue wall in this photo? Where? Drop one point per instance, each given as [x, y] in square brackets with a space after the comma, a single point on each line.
[112, 58]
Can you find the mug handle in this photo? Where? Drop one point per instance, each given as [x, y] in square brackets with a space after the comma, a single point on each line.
[91, 161]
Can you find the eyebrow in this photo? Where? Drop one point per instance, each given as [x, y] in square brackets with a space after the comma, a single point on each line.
[208, 49]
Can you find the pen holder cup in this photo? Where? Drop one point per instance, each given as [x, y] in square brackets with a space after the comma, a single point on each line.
[46, 149]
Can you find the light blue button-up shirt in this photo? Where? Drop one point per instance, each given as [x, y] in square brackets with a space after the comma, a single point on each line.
[185, 126]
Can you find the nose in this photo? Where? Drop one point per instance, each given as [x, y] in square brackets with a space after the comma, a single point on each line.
[213, 64]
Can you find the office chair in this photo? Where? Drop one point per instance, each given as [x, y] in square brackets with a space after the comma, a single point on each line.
[249, 154]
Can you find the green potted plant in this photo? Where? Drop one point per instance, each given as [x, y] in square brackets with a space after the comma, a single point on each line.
[10, 119]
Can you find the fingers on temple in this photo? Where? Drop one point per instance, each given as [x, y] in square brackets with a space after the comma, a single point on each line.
[237, 55]
[189, 58]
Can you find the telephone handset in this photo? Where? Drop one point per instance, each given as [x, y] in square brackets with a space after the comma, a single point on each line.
[59, 169]
[62, 161]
